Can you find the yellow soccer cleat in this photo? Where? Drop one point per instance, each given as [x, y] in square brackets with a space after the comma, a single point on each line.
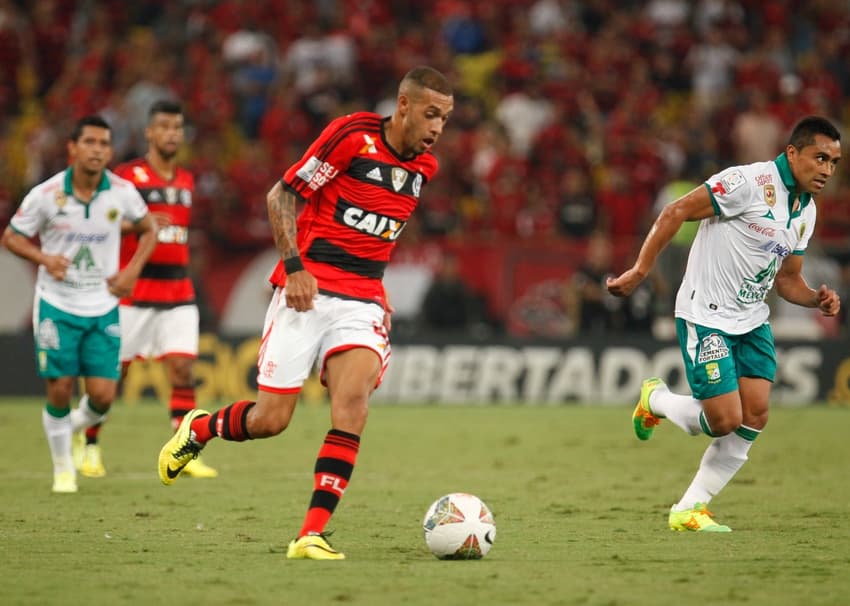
[65, 482]
[92, 466]
[312, 547]
[642, 418]
[698, 519]
[196, 468]
[180, 449]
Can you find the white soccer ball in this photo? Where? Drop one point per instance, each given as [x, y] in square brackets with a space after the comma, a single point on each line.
[459, 526]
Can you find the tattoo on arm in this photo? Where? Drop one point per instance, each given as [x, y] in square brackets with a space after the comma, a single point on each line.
[281, 207]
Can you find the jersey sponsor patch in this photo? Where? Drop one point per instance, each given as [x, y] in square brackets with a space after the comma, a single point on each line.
[317, 173]
[48, 335]
[374, 224]
[712, 347]
[732, 181]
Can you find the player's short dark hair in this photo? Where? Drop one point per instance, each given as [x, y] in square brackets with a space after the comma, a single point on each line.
[165, 106]
[806, 129]
[427, 77]
[92, 120]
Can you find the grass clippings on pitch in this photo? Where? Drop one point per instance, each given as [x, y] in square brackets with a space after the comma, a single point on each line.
[580, 508]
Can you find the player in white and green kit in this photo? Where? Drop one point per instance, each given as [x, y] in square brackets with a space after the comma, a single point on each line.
[77, 216]
[755, 224]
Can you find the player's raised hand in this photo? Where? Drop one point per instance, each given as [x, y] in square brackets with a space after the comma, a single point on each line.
[829, 302]
[301, 289]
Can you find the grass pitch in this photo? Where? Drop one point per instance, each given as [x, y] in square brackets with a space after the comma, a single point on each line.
[580, 508]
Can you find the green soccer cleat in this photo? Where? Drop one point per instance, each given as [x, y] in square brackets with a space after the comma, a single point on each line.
[65, 482]
[698, 519]
[92, 466]
[313, 546]
[196, 468]
[642, 418]
[180, 449]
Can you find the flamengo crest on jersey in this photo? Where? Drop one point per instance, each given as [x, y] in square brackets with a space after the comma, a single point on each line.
[358, 196]
[165, 280]
[737, 253]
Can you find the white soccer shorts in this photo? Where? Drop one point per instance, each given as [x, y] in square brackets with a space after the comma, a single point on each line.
[293, 341]
[147, 332]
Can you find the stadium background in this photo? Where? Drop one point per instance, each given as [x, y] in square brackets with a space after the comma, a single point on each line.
[574, 122]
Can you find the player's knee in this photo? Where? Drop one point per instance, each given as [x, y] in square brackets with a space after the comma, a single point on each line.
[725, 423]
[756, 421]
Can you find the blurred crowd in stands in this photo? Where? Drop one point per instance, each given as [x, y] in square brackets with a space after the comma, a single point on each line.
[572, 122]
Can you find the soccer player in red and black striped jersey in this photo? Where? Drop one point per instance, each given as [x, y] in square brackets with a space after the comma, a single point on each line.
[359, 181]
[160, 320]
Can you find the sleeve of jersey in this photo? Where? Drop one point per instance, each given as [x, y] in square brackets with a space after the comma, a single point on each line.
[326, 157]
[27, 219]
[135, 207]
[731, 191]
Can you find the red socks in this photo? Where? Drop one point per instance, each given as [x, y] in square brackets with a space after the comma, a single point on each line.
[332, 472]
[227, 423]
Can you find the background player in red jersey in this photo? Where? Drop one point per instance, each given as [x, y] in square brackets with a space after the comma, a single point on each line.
[161, 318]
[360, 180]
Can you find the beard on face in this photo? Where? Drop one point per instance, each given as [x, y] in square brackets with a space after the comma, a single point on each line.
[167, 154]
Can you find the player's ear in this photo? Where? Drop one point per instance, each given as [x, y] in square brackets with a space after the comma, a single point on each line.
[403, 104]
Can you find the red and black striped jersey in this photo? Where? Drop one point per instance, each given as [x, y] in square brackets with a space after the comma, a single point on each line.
[164, 281]
[358, 194]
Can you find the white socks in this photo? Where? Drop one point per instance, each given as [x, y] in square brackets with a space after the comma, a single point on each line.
[58, 431]
[84, 415]
[682, 411]
[721, 461]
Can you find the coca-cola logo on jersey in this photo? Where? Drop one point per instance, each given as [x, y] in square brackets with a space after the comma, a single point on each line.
[762, 229]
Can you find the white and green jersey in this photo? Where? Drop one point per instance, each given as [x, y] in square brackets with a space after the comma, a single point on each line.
[736, 254]
[87, 234]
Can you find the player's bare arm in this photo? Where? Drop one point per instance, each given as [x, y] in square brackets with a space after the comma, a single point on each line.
[161, 219]
[122, 283]
[791, 286]
[693, 206]
[301, 286]
[20, 245]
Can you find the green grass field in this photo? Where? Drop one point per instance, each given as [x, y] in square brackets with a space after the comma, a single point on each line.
[580, 508]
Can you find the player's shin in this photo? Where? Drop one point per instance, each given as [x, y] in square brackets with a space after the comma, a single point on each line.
[181, 402]
[85, 415]
[332, 472]
[721, 461]
[228, 423]
[57, 428]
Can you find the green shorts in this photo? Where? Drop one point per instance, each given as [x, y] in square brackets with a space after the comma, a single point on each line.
[67, 345]
[714, 359]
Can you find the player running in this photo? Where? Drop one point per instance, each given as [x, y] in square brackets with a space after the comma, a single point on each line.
[77, 215]
[160, 320]
[360, 181]
[755, 224]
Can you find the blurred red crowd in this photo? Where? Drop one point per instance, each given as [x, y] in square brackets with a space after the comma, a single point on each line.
[570, 117]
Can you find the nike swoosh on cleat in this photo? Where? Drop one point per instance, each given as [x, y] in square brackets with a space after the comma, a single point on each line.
[173, 473]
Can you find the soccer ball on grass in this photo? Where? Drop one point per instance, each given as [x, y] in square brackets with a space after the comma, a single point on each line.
[459, 526]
